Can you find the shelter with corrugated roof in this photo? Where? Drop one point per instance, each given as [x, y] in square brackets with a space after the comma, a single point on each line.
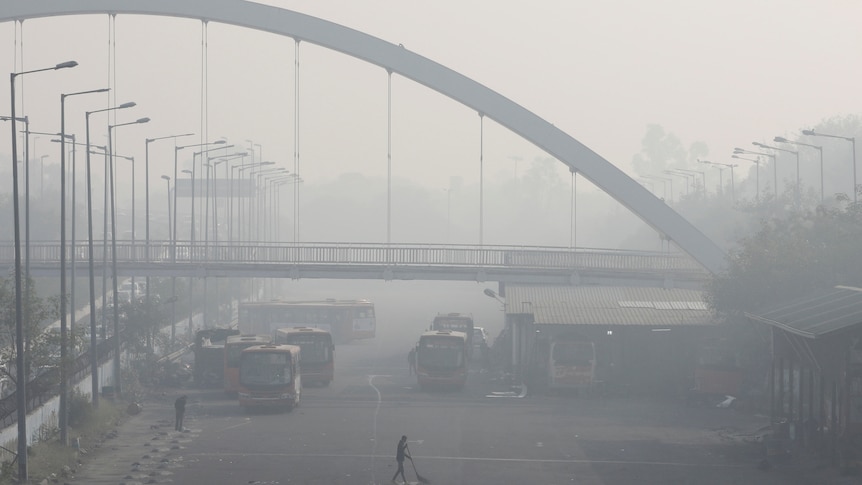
[816, 383]
[642, 336]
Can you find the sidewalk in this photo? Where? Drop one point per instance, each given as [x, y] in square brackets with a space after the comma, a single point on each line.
[143, 449]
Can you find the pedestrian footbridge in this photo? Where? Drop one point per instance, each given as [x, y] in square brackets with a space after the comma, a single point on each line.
[505, 264]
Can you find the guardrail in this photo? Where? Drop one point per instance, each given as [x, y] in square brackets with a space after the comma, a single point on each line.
[369, 254]
[47, 385]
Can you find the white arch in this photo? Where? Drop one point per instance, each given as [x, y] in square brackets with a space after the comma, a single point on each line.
[419, 69]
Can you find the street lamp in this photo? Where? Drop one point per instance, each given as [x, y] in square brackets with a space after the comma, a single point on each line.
[780, 139]
[94, 358]
[694, 175]
[176, 155]
[663, 179]
[20, 377]
[194, 171]
[755, 161]
[42, 175]
[685, 177]
[261, 200]
[64, 338]
[134, 249]
[798, 189]
[743, 151]
[117, 380]
[239, 211]
[174, 295]
[720, 169]
[852, 140]
[147, 197]
[224, 159]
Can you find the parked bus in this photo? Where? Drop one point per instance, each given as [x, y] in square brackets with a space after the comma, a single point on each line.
[233, 348]
[269, 376]
[209, 356]
[441, 359]
[346, 320]
[456, 322]
[318, 352]
[572, 363]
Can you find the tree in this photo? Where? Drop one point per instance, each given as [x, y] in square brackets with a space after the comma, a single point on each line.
[43, 347]
[787, 258]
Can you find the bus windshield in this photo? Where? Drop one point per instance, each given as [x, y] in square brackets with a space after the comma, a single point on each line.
[441, 352]
[263, 368]
[315, 348]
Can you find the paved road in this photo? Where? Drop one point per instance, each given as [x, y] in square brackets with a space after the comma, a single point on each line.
[347, 433]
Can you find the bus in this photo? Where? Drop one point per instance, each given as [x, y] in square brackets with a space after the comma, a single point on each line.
[456, 322]
[572, 363]
[441, 359]
[346, 320]
[233, 347]
[318, 352]
[269, 376]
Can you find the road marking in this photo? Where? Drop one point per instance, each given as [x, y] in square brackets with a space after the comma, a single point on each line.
[234, 426]
[472, 459]
[374, 425]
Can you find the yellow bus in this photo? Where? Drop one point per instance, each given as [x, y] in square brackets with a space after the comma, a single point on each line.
[269, 376]
[233, 347]
[441, 359]
[346, 320]
[318, 352]
[456, 322]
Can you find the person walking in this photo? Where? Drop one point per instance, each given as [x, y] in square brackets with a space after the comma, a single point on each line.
[180, 408]
[411, 360]
[400, 455]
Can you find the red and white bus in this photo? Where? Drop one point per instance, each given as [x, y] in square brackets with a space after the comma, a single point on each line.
[572, 363]
[233, 348]
[269, 376]
[346, 320]
[441, 359]
[318, 352]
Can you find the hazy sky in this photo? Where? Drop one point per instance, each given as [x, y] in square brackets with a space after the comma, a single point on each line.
[722, 72]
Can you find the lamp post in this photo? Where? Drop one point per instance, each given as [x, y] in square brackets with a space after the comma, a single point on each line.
[134, 249]
[798, 188]
[174, 294]
[275, 212]
[223, 159]
[852, 140]
[42, 175]
[147, 202]
[755, 161]
[780, 139]
[742, 151]
[663, 179]
[117, 380]
[194, 172]
[262, 198]
[721, 167]
[64, 338]
[20, 376]
[229, 175]
[247, 195]
[94, 358]
[176, 156]
[684, 176]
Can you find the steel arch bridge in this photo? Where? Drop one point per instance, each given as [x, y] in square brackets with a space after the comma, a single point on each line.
[413, 66]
